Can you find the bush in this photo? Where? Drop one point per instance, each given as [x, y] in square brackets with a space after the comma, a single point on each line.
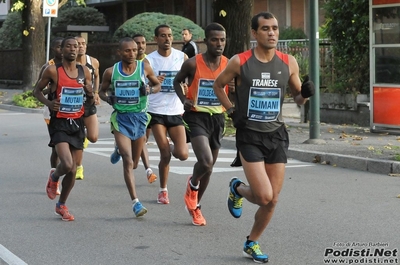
[11, 31]
[347, 25]
[145, 23]
[84, 16]
[290, 33]
[27, 100]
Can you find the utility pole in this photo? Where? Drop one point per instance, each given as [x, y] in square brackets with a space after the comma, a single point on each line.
[314, 75]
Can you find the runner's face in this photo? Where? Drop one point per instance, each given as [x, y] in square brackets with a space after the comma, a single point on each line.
[69, 51]
[128, 52]
[57, 50]
[81, 45]
[216, 42]
[164, 38]
[141, 44]
[267, 33]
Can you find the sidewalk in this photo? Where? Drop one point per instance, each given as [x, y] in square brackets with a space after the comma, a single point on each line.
[346, 146]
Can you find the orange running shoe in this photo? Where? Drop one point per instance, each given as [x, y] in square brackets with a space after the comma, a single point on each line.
[190, 196]
[151, 177]
[65, 215]
[51, 186]
[197, 217]
[163, 197]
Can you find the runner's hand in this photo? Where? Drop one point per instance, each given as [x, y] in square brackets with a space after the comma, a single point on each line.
[307, 88]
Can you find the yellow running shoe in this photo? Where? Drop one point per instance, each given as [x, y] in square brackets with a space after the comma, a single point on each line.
[79, 172]
[85, 143]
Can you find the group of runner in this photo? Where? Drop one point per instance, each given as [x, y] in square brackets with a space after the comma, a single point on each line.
[180, 99]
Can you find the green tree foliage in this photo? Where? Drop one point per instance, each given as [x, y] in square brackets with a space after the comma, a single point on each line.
[347, 25]
[84, 16]
[10, 32]
[145, 23]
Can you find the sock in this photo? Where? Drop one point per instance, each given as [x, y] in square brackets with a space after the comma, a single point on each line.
[163, 189]
[193, 187]
[235, 188]
[54, 178]
[149, 171]
[58, 204]
[248, 241]
[135, 201]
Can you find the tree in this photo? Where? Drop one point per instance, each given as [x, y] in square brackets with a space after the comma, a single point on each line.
[235, 16]
[347, 25]
[33, 42]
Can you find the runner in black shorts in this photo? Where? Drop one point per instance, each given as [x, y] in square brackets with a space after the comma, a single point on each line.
[204, 115]
[261, 75]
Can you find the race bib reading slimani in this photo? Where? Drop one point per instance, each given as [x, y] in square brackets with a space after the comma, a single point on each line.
[205, 94]
[71, 99]
[264, 104]
[167, 86]
[127, 92]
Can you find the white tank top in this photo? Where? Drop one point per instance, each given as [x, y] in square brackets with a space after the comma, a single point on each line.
[166, 102]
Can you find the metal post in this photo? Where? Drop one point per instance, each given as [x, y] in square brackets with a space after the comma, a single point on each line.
[48, 40]
[314, 74]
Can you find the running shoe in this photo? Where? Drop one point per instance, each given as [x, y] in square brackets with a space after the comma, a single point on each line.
[163, 197]
[197, 217]
[58, 192]
[190, 196]
[252, 250]
[85, 143]
[65, 215]
[79, 172]
[151, 177]
[51, 186]
[139, 209]
[115, 156]
[234, 200]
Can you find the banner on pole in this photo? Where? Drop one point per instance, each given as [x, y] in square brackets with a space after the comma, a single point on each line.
[50, 8]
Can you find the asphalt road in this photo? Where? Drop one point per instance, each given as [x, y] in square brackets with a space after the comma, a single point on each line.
[320, 208]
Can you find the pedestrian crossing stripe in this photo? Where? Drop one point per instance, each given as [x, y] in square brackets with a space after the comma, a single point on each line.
[224, 159]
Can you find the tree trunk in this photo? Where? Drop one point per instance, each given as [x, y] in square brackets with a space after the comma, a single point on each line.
[236, 22]
[33, 45]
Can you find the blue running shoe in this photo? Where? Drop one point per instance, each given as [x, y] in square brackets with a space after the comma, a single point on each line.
[115, 156]
[234, 200]
[253, 251]
[139, 209]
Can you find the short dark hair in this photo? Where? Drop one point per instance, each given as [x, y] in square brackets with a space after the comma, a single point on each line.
[158, 28]
[213, 26]
[55, 40]
[254, 20]
[125, 39]
[138, 35]
[187, 30]
[65, 39]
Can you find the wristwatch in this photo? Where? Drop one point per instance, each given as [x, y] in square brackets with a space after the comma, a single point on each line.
[230, 111]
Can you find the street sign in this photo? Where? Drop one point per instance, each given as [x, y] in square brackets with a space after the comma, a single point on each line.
[50, 8]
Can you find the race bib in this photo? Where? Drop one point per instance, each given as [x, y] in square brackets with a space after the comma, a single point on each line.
[71, 99]
[264, 104]
[167, 86]
[127, 92]
[206, 95]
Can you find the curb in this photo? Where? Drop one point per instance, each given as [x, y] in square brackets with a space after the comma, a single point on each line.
[20, 109]
[377, 166]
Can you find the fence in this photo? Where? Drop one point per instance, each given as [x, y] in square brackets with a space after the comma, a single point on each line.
[106, 54]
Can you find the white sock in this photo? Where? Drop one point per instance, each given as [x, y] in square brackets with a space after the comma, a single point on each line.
[135, 201]
[193, 186]
[164, 189]
[149, 171]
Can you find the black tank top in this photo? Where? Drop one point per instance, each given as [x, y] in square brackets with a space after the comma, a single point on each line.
[262, 91]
